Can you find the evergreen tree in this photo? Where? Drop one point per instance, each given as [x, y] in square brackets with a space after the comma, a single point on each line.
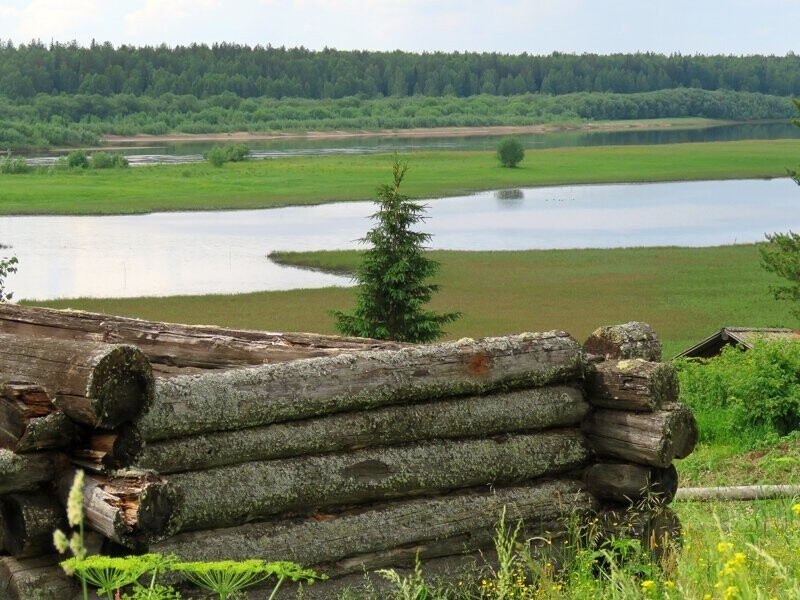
[391, 277]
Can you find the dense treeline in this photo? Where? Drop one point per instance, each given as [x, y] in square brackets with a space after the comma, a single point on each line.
[80, 120]
[248, 72]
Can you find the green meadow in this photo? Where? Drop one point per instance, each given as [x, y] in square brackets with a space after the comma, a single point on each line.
[317, 180]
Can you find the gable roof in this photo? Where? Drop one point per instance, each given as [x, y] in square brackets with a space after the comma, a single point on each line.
[746, 336]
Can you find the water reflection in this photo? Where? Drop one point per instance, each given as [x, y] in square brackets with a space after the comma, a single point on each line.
[226, 252]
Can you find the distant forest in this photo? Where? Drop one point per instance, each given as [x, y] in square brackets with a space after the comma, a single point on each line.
[65, 94]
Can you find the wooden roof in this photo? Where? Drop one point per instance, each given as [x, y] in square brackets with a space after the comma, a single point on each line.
[745, 336]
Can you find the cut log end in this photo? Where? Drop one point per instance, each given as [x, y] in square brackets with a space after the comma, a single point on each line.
[629, 340]
[121, 387]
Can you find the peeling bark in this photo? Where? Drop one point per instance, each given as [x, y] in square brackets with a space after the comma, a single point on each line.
[473, 416]
[629, 340]
[230, 400]
[654, 439]
[229, 496]
[98, 384]
[632, 384]
[29, 421]
[627, 483]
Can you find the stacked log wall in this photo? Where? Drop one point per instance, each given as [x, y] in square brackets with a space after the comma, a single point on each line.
[338, 453]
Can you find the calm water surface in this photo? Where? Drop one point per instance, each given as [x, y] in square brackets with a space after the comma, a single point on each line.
[226, 252]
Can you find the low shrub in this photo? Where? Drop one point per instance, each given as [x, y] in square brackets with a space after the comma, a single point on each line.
[106, 160]
[219, 155]
[77, 159]
[14, 166]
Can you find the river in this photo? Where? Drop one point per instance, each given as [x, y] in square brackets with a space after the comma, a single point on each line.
[226, 251]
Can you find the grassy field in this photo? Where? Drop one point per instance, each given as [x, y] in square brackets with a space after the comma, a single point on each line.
[316, 180]
[685, 293]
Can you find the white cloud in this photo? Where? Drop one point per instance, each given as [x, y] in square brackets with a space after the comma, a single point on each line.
[168, 21]
[45, 19]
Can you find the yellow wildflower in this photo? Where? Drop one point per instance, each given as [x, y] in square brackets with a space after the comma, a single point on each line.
[731, 592]
[648, 586]
[724, 547]
[796, 509]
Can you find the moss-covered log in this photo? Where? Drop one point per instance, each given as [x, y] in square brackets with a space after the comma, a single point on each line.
[629, 340]
[472, 416]
[457, 518]
[632, 384]
[228, 496]
[24, 472]
[98, 384]
[128, 509]
[229, 400]
[654, 439]
[35, 579]
[29, 521]
[172, 347]
[29, 421]
[627, 483]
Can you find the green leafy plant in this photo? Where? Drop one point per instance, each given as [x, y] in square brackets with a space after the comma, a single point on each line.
[106, 160]
[14, 166]
[8, 266]
[107, 573]
[77, 159]
[510, 152]
[75, 543]
[780, 255]
[226, 578]
[391, 277]
[219, 155]
[412, 587]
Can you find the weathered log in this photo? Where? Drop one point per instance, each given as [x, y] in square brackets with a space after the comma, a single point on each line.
[472, 416]
[35, 579]
[738, 492]
[97, 384]
[29, 421]
[333, 538]
[228, 496]
[629, 340]
[172, 346]
[24, 472]
[109, 450]
[235, 399]
[658, 529]
[129, 509]
[29, 521]
[623, 482]
[632, 384]
[654, 439]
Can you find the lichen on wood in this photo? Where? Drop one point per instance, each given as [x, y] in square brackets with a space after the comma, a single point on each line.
[628, 340]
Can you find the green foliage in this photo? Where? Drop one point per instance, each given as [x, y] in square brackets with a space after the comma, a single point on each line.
[510, 152]
[745, 395]
[77, 159]
[106, 573]
[391, 276]
[780, 254]
[13, 166]
[8, 266]
[106, 160]
[794, 174]
[219, 155]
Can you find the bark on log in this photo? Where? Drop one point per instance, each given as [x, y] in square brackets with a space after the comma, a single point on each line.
[128, 509]
[217, 401]
[632, 384]
[629, 340]
[29, 421]
[35, 579]
[654, 439]
[24, 472]
[229, 496]
[739, 492]
[29, 521]
[380, 529]
[181, 346]
[473, 416]
[658, 530]
[622, 482]
[97, 384]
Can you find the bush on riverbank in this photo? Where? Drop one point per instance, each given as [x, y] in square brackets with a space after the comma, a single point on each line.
[219, 155]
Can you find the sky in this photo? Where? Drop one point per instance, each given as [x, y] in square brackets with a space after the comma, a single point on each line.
[507, 26]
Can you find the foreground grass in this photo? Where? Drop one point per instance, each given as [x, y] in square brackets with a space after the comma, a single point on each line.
[316, 180]
[684, 293]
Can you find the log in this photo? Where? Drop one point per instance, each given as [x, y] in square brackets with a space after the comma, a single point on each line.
[380, 529]
[632, 384]
[171, 346]
[228, 400]
[472, 416]
[24, 472]
[657, 529]
[738, 493]
[627, 483]
[654, 439]
[109, 450]
[129, 509]
[29, 421]
[29, 521]
[35, 579]
[229, 496]
[629, 340]
[98, 384]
